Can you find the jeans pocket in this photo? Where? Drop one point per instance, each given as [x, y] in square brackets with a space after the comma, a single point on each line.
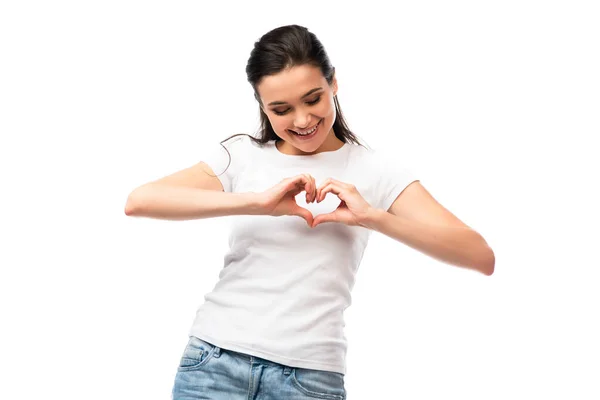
[319, 384]
[197, 353]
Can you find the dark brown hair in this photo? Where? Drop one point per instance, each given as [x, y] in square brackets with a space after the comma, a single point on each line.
[286, 47]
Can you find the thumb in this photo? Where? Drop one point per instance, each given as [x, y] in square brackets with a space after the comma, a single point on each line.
[322, 218]
[304, 213]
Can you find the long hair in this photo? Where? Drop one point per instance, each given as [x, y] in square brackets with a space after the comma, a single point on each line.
[281, 48]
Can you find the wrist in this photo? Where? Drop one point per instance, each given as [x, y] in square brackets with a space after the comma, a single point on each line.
[372, 217]
[253, 203]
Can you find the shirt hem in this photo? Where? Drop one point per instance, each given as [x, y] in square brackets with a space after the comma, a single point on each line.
[290, 362]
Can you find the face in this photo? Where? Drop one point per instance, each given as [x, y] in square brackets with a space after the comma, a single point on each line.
[296, 101]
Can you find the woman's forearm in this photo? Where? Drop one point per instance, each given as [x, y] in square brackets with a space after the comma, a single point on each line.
[183, 203]
[458, 246]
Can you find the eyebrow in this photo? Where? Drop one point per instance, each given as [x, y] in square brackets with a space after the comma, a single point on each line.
[276, 103]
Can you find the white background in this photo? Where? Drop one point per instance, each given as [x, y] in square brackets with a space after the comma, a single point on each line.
[494, 104]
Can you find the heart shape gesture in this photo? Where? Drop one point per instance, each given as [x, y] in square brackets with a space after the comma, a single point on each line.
[352, 210]
[328, 205]
[350, 207]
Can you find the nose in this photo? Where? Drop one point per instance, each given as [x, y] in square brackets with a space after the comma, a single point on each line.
[302, 120]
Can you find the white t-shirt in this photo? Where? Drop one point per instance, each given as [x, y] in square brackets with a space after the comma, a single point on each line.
[284, 286]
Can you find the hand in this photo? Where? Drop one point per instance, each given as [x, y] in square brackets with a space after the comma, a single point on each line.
[353, 209]
[280, 199]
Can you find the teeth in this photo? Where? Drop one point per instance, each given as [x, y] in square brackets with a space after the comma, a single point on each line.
[307, 132]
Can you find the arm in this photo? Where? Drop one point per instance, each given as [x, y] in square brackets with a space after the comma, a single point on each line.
[419, 221]
[161, 201]
[192, 193]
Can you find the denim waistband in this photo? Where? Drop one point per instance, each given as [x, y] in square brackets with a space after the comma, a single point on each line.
[245, 357]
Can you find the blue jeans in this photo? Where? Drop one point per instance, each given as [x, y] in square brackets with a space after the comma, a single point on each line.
[207, 371]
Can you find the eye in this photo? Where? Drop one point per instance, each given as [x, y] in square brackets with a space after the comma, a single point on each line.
[310, 103]
[315, 101]
[281, 112]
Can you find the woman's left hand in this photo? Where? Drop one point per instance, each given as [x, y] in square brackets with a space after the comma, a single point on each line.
[353, 209]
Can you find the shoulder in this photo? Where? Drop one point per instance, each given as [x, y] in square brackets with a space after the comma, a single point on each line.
[368, 157]
[238, 141]
[230, 154]
[242, 145]
[383, 163]
[248, 143]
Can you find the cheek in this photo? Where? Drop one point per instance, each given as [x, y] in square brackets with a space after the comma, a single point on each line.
[280, 124]
[325, 109]
[328, 112]
[328, 108]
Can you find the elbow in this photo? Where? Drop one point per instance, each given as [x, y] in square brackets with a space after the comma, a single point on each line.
[485, 261]
[129, 207]
[132, 204]
[488, 264]
[488, 269]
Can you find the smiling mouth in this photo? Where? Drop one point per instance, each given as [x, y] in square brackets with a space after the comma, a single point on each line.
[307, 132]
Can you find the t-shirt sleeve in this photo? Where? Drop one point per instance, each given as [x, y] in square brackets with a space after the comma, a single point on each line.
[393, 176]
[227, 167]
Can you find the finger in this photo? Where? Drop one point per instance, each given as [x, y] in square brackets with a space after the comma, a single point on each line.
[340, 183]
[303, 181]
[303, 213]
[296, 184]
[296, 189]
[320, 189]
[335, 181]
[325, 183]
[324, 218]
[308, 187]
[313, 188]
[330, 188]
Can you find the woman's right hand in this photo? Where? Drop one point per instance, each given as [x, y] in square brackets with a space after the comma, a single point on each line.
[280, 199]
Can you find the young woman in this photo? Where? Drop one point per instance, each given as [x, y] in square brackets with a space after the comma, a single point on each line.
[272, 328]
